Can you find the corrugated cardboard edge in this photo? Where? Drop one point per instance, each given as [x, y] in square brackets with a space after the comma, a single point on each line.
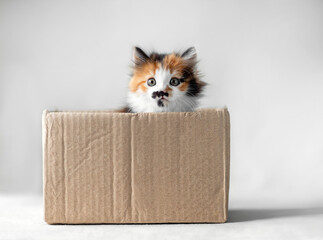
[226, 162]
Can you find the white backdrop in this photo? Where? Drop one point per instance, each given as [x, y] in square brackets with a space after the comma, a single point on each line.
[262, 59]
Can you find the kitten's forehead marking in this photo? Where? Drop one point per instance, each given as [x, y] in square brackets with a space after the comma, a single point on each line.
[174, 63]
[162, 77]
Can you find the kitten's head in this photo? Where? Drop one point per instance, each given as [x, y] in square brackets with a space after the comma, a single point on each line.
[164, 82]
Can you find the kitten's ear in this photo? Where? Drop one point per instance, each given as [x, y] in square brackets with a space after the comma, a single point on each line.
[139, 56]
[189, 54]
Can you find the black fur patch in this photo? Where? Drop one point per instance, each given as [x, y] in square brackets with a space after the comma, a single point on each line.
[194, 88]
[157, 57]
[160, 103]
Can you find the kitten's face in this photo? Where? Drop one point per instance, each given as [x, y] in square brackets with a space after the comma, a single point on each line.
[164, 82]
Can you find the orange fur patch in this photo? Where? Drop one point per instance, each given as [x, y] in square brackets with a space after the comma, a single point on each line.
[135, 83]
[143, 87]
[174, 63]
[141, 75]
[169, 90]
[183, 86]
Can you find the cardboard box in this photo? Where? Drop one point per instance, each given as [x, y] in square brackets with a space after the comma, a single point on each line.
[109, 167]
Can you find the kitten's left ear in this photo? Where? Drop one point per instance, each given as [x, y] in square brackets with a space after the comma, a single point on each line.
[189, 54]
[139, 56]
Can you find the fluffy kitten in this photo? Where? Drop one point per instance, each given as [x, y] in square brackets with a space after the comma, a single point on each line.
[164, 82]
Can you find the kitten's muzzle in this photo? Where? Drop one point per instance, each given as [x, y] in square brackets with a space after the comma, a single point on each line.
[160, 94]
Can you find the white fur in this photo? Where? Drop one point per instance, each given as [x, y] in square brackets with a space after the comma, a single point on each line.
[178, 101]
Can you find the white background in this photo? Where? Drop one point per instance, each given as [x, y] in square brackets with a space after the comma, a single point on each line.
[262, 59]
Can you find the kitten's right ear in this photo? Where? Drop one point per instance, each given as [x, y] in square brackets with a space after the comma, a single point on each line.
[189, 54]
[139, 56]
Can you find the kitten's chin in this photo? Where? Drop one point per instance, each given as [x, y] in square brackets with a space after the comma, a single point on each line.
[162, 102]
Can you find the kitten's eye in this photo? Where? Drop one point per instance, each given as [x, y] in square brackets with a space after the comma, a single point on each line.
[174, 82]
[151, 82]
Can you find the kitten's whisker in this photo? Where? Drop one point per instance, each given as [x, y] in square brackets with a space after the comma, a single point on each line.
[190, 103]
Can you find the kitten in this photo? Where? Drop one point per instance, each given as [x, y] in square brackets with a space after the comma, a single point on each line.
[164, 82]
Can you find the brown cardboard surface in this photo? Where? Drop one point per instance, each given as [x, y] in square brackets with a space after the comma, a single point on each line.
[108, 167]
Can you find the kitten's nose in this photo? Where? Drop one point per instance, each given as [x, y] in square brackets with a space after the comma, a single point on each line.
[162, 93]
[159, 94]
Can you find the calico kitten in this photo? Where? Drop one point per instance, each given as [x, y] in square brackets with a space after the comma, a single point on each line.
[164, 82]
